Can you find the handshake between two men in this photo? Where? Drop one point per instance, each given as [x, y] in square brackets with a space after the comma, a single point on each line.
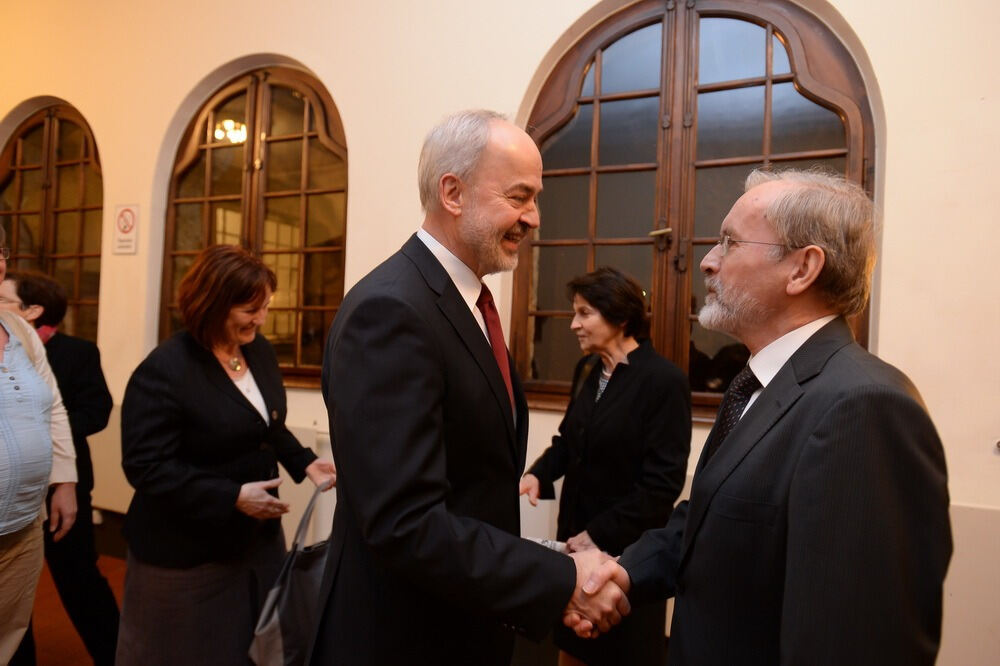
[599, 599]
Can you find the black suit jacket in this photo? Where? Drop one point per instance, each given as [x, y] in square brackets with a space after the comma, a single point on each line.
[76, 364]
[425, 564]
[190, 439]
[819, 531]
[624, 456]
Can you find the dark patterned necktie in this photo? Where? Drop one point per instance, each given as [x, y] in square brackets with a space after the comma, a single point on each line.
[495, 333]
[733, 403]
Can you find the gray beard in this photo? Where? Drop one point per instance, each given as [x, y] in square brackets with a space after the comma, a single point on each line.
[729, 311]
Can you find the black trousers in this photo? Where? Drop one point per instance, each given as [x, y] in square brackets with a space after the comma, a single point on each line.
[84, 591]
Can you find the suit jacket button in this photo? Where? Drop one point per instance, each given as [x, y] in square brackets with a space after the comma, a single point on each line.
[274, 414]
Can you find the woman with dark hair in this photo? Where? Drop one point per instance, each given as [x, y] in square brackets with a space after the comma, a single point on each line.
[622, 448]
[76, 364]
[203, 428]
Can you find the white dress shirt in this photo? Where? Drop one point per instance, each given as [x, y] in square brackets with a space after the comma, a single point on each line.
[768, 361]
[469, 286]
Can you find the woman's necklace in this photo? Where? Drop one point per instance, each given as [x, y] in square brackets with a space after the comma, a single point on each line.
[236, 363]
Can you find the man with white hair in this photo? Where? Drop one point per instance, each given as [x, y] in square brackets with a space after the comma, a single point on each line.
[428, 424]
[817, 531]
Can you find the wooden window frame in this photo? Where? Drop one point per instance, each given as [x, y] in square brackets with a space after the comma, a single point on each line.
[822, 70]
[327, 128]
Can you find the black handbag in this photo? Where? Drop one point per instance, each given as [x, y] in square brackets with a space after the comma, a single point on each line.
[289, 616]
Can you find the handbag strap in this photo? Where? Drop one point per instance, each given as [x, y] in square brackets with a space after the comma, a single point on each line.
[300, 533]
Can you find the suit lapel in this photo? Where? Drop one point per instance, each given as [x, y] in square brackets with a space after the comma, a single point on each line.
[219, 378]
[454, 308]
[774, 401]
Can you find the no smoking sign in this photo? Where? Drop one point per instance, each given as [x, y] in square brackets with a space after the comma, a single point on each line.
[126, 223]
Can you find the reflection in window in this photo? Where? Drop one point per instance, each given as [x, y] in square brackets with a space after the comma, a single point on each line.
[277, 186]
[60, 234]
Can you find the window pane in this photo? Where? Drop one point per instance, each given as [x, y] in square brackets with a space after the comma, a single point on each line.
[779, 57]
[716, 190]
[187, 227]
[634, 260]
[715, 359]
[628, 131]
[731, 123]
[230, 121]
[70, 141]
[29, 234]
[192, 182]
[67, 232]
[280, 330]
[68, 186]
[324, 278]
[8, 194]
[86, 322]
[31, 145]
[554, 350]
[730, 49]
[587, 89]
[570, 146]
[92, 221]
[287, 109]
[286, 269]
[281, 223]
[325, 219]
[632, 62]
[800, 124]
[227, 170]
[284, 165]
[227, 222]
[181, 266]
[313, 335]
[626, 204]
[564, 203]
[90, 277]
[555, 267]
[92, 185]
[326, 169]
[31, 190]
[64, 272]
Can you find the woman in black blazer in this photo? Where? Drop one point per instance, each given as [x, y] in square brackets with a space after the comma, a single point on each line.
[203, 428]
[622, 448]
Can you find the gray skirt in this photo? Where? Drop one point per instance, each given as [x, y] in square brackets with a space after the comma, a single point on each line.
[200, 615]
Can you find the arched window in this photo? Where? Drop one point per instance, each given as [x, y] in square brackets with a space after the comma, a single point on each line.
[264, 164]
[51, 198]
[648, 127]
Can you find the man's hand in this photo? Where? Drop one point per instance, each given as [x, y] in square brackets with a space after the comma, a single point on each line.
[531, 487]
[323, 473]
[62, 509]
[581, 541]
[598, 602]
[256, 502]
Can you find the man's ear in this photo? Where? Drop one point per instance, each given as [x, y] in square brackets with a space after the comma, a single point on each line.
[32, 312]
[807, 264]
[450, 193]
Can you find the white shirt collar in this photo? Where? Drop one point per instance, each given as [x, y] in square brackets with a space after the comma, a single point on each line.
[768, 361]
[468, 284]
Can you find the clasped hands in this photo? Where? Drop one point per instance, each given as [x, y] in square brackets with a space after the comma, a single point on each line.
[598, 602]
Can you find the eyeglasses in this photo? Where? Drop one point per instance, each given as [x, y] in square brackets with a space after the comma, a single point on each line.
[725, 241]
[5, 252]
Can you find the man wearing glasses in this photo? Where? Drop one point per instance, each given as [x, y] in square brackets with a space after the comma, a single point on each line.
[817, 531]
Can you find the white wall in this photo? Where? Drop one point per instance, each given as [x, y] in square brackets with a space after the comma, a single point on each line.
[137, 69]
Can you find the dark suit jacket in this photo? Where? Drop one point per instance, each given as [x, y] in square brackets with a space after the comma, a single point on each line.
[819, 531]
[624, 456]
[425, 562]
[76, 364]
[190, 439]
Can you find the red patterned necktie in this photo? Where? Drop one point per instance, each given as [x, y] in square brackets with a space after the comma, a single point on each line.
[495, 333]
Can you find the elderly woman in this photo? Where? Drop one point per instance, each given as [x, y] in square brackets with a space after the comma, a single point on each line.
[622, 448]
[36, 452]
[76, 364]
[203, 428]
